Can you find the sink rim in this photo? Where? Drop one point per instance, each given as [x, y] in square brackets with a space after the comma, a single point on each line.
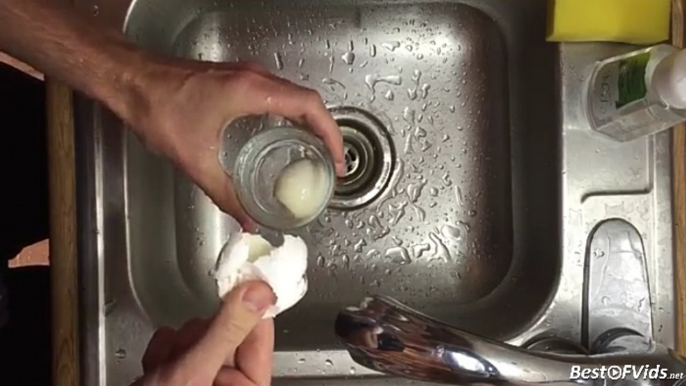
[94, 244]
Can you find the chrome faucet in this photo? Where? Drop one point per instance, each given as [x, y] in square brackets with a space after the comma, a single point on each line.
[387, 336]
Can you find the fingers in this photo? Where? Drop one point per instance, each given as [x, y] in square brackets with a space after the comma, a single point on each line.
[293, 102]
[233, 377]
[159, 349]
[254, 357]
[188, 335]
[241, 311]
[219, 187]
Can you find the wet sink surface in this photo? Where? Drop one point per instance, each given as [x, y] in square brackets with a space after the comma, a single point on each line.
[474, 181]
[456, 231]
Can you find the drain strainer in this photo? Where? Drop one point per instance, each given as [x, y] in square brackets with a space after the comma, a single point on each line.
[369, 158]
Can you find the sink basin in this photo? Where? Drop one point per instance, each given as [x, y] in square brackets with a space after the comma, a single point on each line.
[472, 182]
[439, 81]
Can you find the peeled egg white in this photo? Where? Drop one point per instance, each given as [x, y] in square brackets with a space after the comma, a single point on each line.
[250, 257]
[301, 188]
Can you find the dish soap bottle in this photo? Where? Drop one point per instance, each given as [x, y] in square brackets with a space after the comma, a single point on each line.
[639, 93]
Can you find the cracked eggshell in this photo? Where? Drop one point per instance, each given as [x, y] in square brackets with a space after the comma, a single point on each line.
[250, 257]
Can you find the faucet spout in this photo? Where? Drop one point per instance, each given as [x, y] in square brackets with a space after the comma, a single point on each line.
[387, 336]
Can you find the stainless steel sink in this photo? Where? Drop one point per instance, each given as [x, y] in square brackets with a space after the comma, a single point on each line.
[473, 183]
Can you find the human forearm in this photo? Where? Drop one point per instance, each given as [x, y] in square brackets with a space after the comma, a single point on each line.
[178, 108]
[59, 43]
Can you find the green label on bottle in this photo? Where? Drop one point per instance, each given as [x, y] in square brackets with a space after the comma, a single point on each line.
[631, 85]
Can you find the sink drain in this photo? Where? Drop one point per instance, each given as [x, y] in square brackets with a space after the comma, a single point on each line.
[369, 158]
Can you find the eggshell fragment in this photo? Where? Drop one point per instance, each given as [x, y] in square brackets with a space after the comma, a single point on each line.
[250, 257]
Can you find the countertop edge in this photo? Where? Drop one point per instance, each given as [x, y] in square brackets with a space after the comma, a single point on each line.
[63, 236]
[679, 191]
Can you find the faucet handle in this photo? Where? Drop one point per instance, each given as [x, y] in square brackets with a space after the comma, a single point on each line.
[387, 336]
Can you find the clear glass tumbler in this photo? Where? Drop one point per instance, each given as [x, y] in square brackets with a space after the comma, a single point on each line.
[261, 161]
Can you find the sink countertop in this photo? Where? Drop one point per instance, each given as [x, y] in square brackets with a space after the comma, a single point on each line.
[679, 189]
[63, 246]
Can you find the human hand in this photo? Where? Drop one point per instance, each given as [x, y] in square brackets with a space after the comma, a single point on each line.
[181, 108]
[235, 348]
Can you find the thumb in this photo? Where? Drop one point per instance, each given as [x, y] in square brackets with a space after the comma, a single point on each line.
[242, 309]
[209, 175]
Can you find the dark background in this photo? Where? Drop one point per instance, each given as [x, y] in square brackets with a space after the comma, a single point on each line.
[25, 346]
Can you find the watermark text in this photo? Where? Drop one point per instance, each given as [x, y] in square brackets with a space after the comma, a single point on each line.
[644, 372]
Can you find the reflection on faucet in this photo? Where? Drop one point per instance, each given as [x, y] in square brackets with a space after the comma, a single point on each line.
[389, 337]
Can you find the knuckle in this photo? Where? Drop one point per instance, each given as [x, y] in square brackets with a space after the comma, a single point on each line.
[254, 66]
[235, 331]
[246, 80]
[313, 95]
[237, 327]
[313, 98]
[171, 375]
[192, 324]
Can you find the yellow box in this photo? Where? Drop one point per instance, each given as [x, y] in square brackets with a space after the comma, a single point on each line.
[626, 21]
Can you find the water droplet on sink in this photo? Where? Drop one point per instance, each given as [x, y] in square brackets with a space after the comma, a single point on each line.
[389, 95]
[278, 60]
[605, 300]
[451, 232]
[408, 145]
[120, 354]
[359, 245]
[425, 90]
[472, 213]
[301, 62]
[397, 211]
[412, 93]
[445, 137]
[348, 58]
[441, 250]
[398, 255]
[329, 362]
[416, 76]
[419, 249]
[433, 192]
[372, 79]
[327, 44]
[458, 196]
[321, 261]
[641, 305]
[374, 221]
[446, 179]
[346, 261]
[397, 241]
[301, 360]
[391, 46]
[414, 190]
[352, 371]
[408, 115]
[419, 132]
[372, 50]
[421, 214]
[332, 81]
[331, 64]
